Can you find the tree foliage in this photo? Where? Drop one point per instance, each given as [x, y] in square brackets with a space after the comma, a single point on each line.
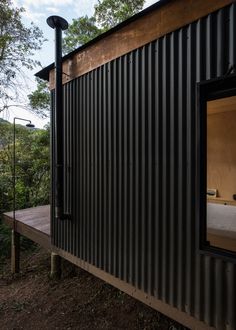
[39, 99]
[32, 167]
[109, 13]
[17, 45]
[81, 31]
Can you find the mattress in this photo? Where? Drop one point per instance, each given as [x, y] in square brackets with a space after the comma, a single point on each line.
[221, 220]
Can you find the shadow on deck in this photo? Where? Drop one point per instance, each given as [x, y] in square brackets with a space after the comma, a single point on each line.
[34, 223]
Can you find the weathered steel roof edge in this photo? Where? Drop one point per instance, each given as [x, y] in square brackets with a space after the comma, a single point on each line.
[44, 73]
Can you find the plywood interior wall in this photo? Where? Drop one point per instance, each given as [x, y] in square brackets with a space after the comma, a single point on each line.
[221, 105]
[221, 147]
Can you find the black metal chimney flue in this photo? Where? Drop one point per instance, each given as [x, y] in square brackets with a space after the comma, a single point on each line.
[58, 24]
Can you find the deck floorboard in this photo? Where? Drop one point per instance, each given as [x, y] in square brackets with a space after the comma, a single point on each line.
[33, 223]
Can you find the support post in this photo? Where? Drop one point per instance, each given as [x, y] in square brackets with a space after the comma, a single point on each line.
[55, 266]
[15, 252]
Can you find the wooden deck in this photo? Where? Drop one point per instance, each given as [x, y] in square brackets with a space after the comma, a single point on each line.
[34, 223]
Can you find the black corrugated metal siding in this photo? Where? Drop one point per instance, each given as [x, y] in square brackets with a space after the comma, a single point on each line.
[130, 130]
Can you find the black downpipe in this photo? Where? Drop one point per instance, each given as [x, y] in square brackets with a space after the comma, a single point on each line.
[58, 24]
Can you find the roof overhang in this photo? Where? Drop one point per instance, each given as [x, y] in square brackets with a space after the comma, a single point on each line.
[150, 24]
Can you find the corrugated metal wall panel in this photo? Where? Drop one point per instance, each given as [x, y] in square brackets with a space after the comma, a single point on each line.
[129, 137]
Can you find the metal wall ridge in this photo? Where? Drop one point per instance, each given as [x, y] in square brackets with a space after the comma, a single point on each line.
[129, 136]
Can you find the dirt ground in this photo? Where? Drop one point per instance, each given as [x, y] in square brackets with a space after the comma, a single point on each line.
[31, 300]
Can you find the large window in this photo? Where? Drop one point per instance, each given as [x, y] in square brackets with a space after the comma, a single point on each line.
[217, 171]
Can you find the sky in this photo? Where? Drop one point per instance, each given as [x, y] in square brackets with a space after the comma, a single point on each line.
[37, 11]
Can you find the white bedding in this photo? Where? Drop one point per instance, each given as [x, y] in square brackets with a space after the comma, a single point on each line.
[221, 219]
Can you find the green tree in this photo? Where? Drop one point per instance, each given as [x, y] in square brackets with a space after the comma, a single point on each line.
[6, 183]
[39, 99]
[81, 31]
[109, 13]
[32, 167]
[17, 45]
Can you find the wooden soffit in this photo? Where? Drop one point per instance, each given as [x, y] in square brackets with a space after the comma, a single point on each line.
[155, 24]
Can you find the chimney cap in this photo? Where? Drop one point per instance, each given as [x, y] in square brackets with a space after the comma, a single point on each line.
[57, 21]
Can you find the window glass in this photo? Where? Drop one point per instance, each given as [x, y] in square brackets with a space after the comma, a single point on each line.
[221, 173]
